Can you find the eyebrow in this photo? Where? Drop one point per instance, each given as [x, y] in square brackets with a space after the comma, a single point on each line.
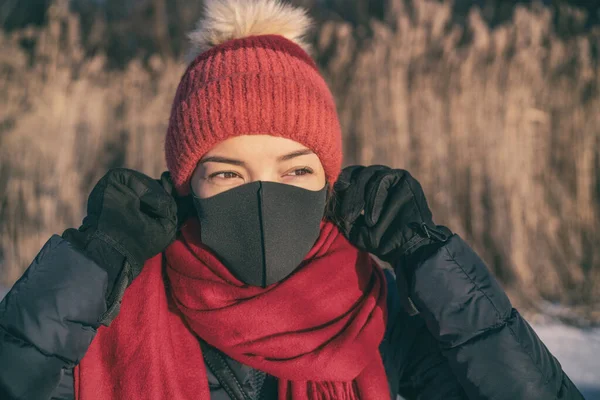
[223, 160]
[232, 161]
[295, 154]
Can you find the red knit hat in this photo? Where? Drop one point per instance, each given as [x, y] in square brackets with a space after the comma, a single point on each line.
[252, 77]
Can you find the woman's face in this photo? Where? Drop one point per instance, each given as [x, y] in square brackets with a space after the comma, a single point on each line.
[244, 159]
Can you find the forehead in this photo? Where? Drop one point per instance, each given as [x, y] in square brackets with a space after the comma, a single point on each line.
[250, 146]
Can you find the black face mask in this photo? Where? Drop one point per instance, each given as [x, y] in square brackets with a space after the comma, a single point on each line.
[261, 231]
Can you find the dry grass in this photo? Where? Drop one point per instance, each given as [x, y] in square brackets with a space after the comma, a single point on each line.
[64, 121]
[503, 132]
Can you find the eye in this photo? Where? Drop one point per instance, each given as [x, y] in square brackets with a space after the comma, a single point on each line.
[224, 175]
[301, 171]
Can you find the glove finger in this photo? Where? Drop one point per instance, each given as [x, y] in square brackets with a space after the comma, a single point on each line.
[158, 205]
[389, 228]
[348, 206]
[385, 235]
[353, 198]
[364, 181]
[361, 236]
[166, 182]
[113, 200]
[162, 226]
[358, 235]
[154, 200]
[118, 187]
[378, 194]
[185, 209]
[95, 199]
[419, 199]
[346, 177]
[138, 182]
[184, 204]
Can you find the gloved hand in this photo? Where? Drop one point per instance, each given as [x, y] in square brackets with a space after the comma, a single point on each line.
[185, 205]
[130, 219]
[384, 211]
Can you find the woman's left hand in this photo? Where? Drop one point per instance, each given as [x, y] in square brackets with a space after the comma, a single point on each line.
[384, 211]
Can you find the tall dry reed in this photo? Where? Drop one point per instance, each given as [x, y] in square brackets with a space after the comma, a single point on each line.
[64, 120]
[503, 130]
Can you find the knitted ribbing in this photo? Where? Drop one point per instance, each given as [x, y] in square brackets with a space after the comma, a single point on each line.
[259, 85]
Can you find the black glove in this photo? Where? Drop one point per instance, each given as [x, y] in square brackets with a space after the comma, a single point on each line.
[130, 219]
[384, 211]
[185, 204]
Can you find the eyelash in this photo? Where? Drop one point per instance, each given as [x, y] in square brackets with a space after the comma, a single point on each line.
[305, 170]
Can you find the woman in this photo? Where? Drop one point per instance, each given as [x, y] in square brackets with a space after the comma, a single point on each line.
[258, 294]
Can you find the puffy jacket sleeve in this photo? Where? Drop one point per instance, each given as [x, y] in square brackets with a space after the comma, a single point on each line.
[414, 362]
[492, 350]
[427, 375]
[48, 320]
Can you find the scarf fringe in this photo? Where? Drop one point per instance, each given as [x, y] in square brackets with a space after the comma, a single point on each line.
[332, 391]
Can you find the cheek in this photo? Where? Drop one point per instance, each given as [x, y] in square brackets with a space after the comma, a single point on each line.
[203, 189]
[313, 182]
[319, 182]
[321, 176]
[197, 184]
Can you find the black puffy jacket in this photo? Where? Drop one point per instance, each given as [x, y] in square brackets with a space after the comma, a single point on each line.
[467, 341]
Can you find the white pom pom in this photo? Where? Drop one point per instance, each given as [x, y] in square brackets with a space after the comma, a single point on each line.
[225, 20]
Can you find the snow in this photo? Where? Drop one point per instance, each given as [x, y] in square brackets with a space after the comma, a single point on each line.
[577, 349]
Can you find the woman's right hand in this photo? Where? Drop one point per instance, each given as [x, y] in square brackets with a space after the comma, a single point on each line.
[130, 219]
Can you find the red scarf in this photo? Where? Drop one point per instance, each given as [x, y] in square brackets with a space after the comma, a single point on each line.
[318, 331]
